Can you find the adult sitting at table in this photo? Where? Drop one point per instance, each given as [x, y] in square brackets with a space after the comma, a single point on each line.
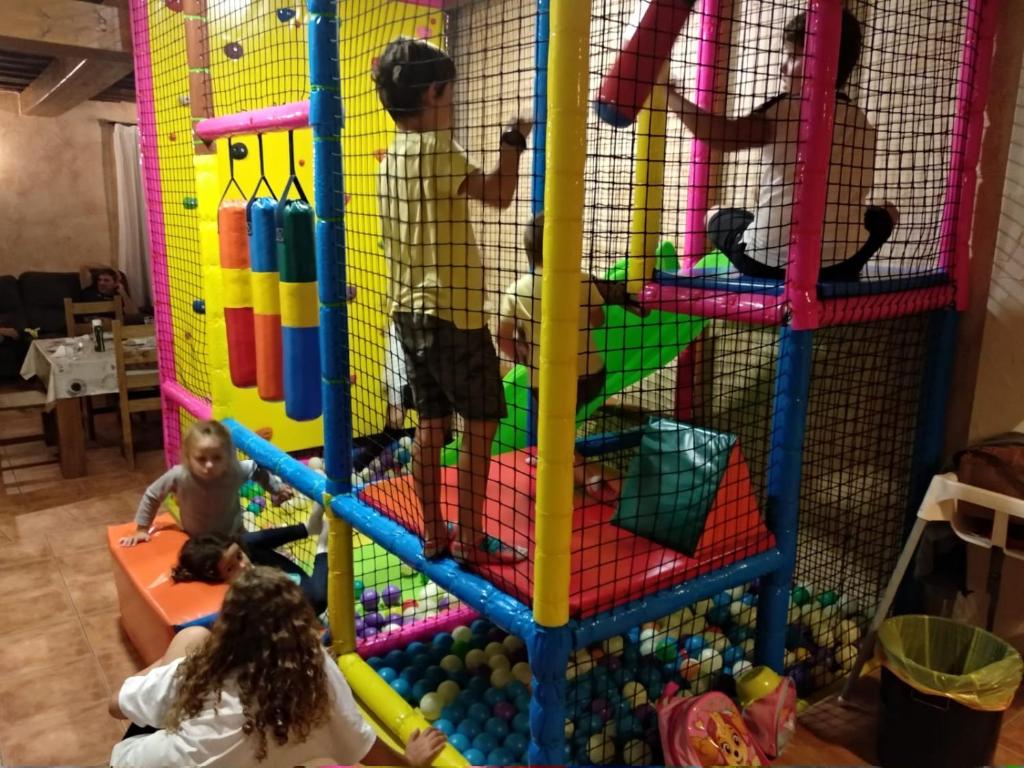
[107, 285]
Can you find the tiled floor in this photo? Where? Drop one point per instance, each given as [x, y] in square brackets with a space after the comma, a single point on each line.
[62, 651]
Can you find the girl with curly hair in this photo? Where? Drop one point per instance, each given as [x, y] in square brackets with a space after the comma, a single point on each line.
[257, 690]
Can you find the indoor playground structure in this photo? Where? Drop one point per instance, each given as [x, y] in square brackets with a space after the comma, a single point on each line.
[773, 436]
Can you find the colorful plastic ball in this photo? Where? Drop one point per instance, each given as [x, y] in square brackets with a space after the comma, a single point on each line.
[460, 648]
[827, 598]
[731, 655]
[500, 678]
[506, 710]
[434, 675]
[522, 673]
[800, 595]
[749, 599]
[402, 687]
[479, 712]
[454, 712]
[667, 650]
[634, 693]
[693, 645]
[521, 723]
[387, 674]
[431, 705]
[516, 743]
[469, 728]
[463, 633]
[648, 642]
[689, 669]
[601, 706]
[480, 627]
[500, 756]
[451, 663]
[233, 50]
[447, 727]
[600, 749]
[391, 595]
[522, 702]
[448, 690]
[719, 616]
[636, 752]
[846, 657]
[497, 727]
[513, 644]
[475, 757]
[477, 686]
[494, 695]
[485, 742]
[369, 599]
[500, 661]
[475, 659]
[493, 649]
[442, 641]
[420, 689]
[459, 741]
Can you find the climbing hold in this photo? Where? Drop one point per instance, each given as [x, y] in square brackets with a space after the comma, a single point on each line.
[190, 203]
[184, 100]
[284, 15]
[350, 292]
[239, 151]
[379, 154]
[302, 162]
[172, 136]
[233, 50]
[424, 33]
[174, 5]
[199, 306]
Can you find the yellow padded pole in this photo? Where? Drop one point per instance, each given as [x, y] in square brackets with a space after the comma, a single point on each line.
[340, 582]
[648, 185]
[568, 79]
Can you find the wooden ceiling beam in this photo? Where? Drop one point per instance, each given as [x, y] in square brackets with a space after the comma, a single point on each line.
[66, 83]
[66, 28]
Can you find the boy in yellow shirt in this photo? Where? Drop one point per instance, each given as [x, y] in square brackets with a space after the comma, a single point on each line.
[437, 286]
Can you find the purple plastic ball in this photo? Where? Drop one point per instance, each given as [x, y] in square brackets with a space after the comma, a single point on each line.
[600, 706]
[393, 618]
[373, 619]
[369, 632]
[391, 595]
[506, 710]
[442, 603]
[370, 599]
[612, 662]
[233, 51]
[360, 626]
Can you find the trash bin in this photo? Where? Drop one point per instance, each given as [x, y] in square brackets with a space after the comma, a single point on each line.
[945, 686]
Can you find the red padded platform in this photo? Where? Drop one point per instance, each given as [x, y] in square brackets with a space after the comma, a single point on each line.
[610, 566]
[152, 605]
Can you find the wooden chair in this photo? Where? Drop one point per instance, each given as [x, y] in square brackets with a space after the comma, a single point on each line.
[77, 318]
[74, 310]
[138, 381]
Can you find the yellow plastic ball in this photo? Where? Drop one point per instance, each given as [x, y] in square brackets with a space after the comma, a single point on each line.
[500, 678]
[499, 661]
[635, 694]
[475, 659]
[600, 749]
[431, 705]
[522, 673]
[448, 690]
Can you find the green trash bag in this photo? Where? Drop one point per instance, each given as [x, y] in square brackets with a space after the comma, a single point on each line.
[672, 482]
[945, 658]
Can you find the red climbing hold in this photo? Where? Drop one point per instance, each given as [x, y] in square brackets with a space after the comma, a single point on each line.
[174, 5]
[379, 154]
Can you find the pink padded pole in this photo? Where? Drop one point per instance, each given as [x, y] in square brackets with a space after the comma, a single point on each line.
[154, 209]
[282, 118]
[814, 151]
[697, 192]
[968, 127]
[177, 395]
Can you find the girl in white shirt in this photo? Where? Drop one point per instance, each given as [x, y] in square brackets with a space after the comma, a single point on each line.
[257, 690]
[757, 242]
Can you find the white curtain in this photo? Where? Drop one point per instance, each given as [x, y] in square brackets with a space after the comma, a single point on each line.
[133, 238]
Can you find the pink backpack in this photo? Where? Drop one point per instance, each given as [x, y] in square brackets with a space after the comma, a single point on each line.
[705, 730]
[772, 718]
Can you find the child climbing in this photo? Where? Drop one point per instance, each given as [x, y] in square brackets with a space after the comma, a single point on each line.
[258, 689]
[206, 486]
[757, 242]
[437, 286]
[519, 338]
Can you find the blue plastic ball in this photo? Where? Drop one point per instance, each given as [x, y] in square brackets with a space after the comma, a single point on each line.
[396, 659]
[693, 645]
[485, 742]
[375, 662]
[199, 306]
[411, 675]
[459, 741]
[421, 662]
[442, 641]
[513, 689]
[478, 686]
[459, 676]
[749, 599]
[723, 598]
[719, 616]
[475, 757]
[447, 727]
[480, 627]
[731, 655]
[401, 687]
[420, 689]
[479, 712]
[387, 674]
[493, 696]
[454, 712]
[497, 727]
[738, 634]
[500, 756]
[469, 728]
[516, 743]
[415, 648]
[521, 723]
[522, 702]
[465, 698]
[434, 676]
[627, 727]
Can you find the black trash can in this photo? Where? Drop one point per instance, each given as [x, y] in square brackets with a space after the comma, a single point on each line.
[945, 687]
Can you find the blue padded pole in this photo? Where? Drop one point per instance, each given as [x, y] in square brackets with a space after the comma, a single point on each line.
[548, 649]
[540, 141]
[789, 417]
[621, 619]
[273, 459]
[326, 121]
[504, 610]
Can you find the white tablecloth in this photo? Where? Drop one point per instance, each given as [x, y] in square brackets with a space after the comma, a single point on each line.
[72, 368]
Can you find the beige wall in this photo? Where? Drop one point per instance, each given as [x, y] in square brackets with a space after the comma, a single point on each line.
[52, 188]
[999, 394]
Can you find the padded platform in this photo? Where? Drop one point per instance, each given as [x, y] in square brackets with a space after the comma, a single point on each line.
[152, 606]
[610, 566]
[868, 285]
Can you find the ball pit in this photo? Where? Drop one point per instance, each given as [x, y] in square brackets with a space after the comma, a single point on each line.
[473, 683]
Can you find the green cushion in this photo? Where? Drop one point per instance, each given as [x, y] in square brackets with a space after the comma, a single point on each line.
[672, 482]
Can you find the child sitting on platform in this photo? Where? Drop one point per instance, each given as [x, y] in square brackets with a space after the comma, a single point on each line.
[757, 242]
[206, 486]
[519, 314]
